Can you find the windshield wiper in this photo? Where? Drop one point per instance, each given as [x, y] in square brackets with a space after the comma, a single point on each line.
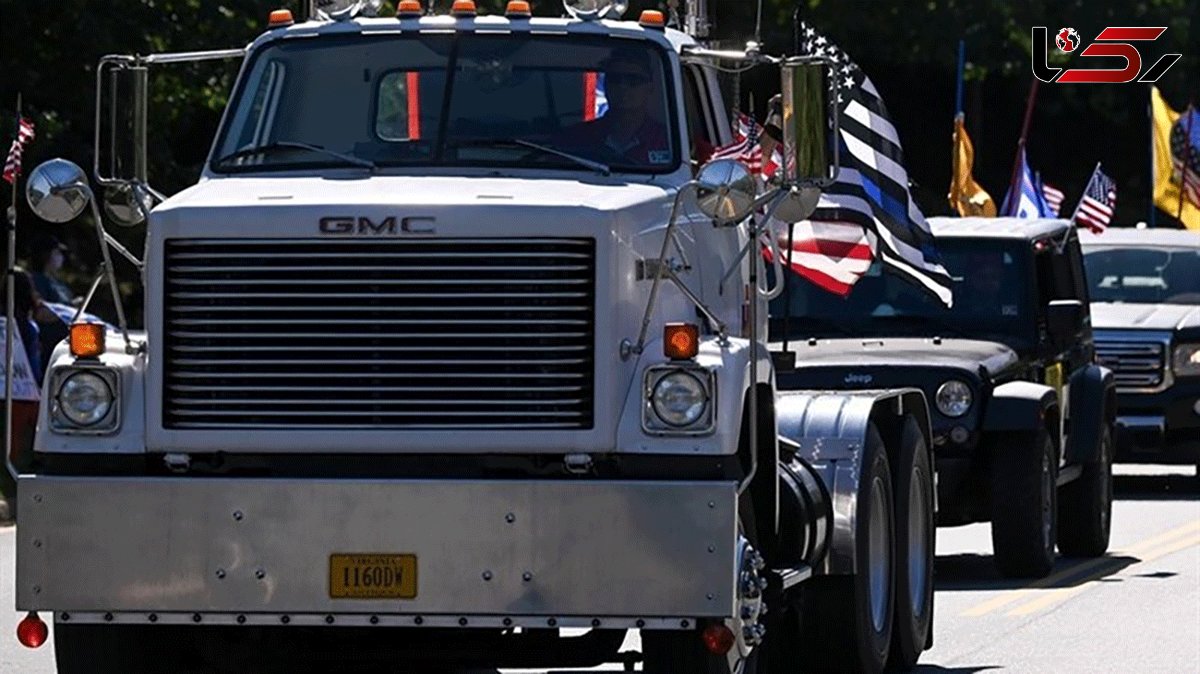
[279, 145]
[598, 167]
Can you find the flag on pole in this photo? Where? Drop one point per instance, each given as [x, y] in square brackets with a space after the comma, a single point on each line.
[1052, 195]
[1095, 210]
[1185, 154]
[871, 190]
[1169, 175]
[12, 165]
[967, 197]
[747, 143]
[1025, 198]
[831, 255]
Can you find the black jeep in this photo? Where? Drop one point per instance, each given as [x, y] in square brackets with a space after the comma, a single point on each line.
[1022, 415]
[1145, 288]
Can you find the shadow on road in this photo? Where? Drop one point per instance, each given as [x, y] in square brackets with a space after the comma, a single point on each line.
[1156, 488]
[938, 669]
[971, 572]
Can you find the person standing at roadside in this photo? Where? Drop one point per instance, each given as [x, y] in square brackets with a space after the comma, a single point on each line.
[49, 256]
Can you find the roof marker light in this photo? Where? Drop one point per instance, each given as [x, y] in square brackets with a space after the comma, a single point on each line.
[518, 9]
[652, 18]
[409, 9]
[279, 18]
[464, 8]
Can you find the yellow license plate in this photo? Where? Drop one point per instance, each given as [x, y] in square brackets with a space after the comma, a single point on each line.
[372, 576]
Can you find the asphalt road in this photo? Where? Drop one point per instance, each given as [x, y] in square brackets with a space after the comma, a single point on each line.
[1136, 610]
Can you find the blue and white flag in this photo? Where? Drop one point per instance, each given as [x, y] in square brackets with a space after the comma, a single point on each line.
[1030, 200]
[872, 188]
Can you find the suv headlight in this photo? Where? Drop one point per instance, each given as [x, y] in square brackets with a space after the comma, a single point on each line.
[678, 400]
[84, 400]
[954, 398]
[1186, 360]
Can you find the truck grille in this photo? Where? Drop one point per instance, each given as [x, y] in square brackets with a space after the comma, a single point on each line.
[1135, 365]
[403, 333]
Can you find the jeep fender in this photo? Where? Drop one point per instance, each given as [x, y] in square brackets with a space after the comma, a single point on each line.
[1020, 406]
[828, 429]
[1092, 406]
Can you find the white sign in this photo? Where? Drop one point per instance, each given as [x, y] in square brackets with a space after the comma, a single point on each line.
[24, 385]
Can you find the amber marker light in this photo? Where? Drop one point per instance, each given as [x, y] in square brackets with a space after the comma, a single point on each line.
[681, 341]
[87, 340]
[518, 9]
[280, 18]
[652, 18]
[409, 9]
[464, 8]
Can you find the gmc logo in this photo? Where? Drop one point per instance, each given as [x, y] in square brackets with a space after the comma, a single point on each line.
[363, 226]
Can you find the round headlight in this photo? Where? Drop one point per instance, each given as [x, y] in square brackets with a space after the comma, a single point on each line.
[679, 399]
[954, 398]
[85, 399]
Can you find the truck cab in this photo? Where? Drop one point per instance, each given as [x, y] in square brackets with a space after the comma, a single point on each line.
[1021, 415]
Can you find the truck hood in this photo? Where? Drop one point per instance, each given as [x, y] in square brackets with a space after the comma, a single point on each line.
[885, 352]
[1168, 317]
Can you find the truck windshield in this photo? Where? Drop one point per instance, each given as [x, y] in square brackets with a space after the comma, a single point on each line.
[991, 299]
[590, 103]
[1143, 275]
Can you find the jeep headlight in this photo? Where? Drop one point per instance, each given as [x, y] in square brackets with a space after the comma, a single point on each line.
[84, 400]
[678, 400]
[954, 398]
[1186, 360]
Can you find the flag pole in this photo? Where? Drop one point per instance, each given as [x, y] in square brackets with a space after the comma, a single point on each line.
[1013, 188]
[1187, 158]
[1085, 189]
[10, 321]
[1153, 219]
[962, 62]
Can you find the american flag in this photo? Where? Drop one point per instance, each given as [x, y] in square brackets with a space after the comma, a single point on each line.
[747, 144]
[12, 165]
[871, 192]
[1095, 210]
[1054, 197]
[1185, 153]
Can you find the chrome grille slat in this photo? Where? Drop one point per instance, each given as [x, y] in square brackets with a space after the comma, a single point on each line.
[1135, 364]
[423, 334]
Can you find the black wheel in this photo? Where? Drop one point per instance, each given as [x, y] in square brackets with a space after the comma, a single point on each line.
[129, 649]
[1085, 506]
[1024, 500]
[915, 537]
[849, 619]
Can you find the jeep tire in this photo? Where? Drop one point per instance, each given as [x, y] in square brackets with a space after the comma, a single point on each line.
[1085, 505]
[1024, 505]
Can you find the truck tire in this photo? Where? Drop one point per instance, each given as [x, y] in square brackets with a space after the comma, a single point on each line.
[915, 537]
[847, 621]
[1023, 502]
[1085, 506]
[128, 649]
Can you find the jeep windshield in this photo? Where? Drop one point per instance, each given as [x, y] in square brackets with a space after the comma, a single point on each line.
[1150, 275]
[453, 100]
[992, 299]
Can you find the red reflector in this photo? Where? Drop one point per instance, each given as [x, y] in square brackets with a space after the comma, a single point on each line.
[32, 632]
[718, 639]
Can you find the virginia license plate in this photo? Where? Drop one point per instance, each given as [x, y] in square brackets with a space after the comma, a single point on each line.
[372, 576]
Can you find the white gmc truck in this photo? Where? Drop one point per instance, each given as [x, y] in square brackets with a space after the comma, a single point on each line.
[459, 341]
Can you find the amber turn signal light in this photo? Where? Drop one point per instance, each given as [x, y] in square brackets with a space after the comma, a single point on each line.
[87, 340]
[681, 341]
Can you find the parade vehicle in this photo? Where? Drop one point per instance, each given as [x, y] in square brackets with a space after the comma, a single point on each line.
[451, 348]
[1022, 415]
[1145, 290]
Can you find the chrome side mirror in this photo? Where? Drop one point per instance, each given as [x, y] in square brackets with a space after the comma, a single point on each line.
[726, 190]
[811, 122]
[57, 191]
[121, 205]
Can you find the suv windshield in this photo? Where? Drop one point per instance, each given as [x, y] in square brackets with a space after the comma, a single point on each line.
[992, 297]
[1144, 275]
[453, 100]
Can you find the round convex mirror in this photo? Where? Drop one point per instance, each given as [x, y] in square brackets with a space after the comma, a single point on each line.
[120, 204]
[726, 190]
[57, 191]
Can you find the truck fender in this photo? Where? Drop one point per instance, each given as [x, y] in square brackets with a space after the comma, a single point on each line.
[1092, 406]
[828, 430]
[1020, 406]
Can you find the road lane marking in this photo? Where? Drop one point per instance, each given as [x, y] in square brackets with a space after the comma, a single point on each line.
[1013, 596]
[1060, 595]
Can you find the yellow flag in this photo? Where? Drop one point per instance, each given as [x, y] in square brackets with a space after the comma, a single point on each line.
[1166, 182]
[967, 197]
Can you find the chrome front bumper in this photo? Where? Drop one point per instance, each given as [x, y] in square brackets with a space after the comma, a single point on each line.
[490, 553]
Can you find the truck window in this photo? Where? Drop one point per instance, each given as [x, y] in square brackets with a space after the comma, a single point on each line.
[694, 98]
[461, 100]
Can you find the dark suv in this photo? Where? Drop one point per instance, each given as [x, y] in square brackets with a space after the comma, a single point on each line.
[1022, 415]
[1145, 288]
